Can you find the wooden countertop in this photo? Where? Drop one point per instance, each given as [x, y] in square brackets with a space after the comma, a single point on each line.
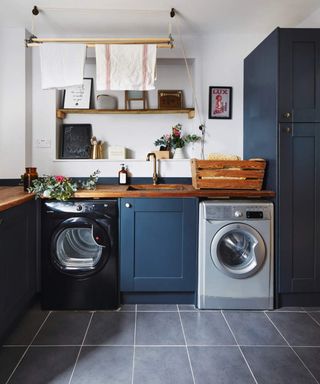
[13, 196]
[168, 190]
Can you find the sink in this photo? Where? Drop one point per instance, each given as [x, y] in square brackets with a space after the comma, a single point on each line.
[157, 187]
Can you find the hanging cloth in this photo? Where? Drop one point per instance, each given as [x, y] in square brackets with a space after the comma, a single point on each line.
[62, 65]
[125, 67]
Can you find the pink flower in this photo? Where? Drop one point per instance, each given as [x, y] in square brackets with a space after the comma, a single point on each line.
[175, 132]
[59, 179]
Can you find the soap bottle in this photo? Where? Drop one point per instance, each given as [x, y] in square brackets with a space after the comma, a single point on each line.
[123, 175]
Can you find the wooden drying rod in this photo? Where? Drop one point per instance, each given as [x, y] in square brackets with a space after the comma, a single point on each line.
[34, 41]
[160, 42]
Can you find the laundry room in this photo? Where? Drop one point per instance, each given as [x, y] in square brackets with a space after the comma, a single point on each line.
[159, 192]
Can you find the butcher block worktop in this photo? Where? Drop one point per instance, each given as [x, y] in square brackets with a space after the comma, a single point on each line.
[12, 196]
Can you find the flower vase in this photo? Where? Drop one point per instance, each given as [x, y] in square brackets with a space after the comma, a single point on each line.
[178, 153]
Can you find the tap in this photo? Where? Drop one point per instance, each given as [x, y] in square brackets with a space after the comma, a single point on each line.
[154, 176]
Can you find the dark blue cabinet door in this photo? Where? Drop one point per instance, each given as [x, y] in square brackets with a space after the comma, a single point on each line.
[299, 208]
[18, 262]
[299, 76]
[158, 244]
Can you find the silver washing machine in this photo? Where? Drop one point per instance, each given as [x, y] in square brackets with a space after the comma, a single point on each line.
[235, 255]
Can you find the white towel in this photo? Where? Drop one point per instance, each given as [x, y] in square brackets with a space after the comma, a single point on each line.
[62, 65]
[125, 67]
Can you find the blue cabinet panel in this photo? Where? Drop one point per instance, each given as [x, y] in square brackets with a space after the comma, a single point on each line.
[158, 245]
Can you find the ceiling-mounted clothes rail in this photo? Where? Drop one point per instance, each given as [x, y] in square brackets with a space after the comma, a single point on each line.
[167, 42]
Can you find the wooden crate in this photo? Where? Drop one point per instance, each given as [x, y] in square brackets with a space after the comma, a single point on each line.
[227, 174]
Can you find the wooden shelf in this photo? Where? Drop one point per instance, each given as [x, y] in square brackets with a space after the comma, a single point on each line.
[61, 113]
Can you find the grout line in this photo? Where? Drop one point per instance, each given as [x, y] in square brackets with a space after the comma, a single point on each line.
[243, 356]
[315, 320]
[80, 349]
[28, 347]
[134, 341]
[186, 346]
[292, 349]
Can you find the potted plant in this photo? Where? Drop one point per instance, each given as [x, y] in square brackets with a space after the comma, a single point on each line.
[176, 141]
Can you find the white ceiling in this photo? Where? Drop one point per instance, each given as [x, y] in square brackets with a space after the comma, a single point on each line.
[151, 17]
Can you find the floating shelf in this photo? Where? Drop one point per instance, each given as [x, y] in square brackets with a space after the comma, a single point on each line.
[61, 113]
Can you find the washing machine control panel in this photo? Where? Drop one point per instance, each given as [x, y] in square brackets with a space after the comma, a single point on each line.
[219, 211]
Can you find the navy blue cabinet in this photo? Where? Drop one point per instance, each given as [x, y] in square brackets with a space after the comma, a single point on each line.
[282, 125]
[299, 208]
[158, 244]
[18, 262]
[299, 77]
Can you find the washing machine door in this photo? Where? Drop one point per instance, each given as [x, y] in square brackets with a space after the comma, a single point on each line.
[238, 250]
[79, 247]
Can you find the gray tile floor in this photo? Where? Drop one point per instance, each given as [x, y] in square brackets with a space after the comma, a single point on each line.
[142, 344]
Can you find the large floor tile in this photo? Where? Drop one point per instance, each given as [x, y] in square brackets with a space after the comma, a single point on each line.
[127, 307]
[289, 309]
[26, 328]
[111, 328]
[206, 328]
[63, 328]
[9, 358]
[162, 365]
[276, 365]
[159, 328]
[298, 328]
[315, 316]
[219, 365]
[311, 357]
[187, 307]
[157, 307]
[43, 365]
[104, 365]
[253, 328]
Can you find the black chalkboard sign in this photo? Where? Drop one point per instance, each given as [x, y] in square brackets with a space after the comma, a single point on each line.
[75, 141]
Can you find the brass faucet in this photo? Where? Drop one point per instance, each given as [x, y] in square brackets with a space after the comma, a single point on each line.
[154, 176]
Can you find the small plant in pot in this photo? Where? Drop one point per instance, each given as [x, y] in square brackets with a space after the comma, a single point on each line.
[176, 141]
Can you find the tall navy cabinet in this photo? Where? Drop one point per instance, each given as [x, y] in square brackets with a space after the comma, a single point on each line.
[158, 249]
[282, 125]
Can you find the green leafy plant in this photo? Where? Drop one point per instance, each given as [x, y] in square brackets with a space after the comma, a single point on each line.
[61, 187]
[175, 139]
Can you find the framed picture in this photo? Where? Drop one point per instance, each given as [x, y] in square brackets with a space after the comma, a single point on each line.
[79, 96]
[220, 102]
[75, 141]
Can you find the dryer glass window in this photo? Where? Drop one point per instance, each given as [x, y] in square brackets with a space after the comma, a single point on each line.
[77, 250]
[236, 249]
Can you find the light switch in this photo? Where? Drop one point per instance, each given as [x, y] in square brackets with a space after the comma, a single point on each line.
[43, 143]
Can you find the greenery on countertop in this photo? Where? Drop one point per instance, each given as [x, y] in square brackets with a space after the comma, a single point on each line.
[61, 187]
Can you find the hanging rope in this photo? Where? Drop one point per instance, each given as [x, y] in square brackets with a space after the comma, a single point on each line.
[202, 125]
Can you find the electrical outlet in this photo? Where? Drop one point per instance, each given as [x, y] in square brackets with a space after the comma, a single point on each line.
[43, 143]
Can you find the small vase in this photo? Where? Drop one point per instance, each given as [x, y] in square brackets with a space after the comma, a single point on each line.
[30, 174]
[178, 153]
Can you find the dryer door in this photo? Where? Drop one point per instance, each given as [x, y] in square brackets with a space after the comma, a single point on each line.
[238, 250]
[79, 247]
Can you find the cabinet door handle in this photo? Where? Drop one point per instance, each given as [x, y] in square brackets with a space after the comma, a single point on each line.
[127, 205]
[287, 115]
[286, 130]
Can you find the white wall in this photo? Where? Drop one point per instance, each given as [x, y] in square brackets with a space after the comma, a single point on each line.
[217, 60]
[12, 103]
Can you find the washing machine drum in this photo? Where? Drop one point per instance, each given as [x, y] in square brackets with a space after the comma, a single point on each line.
[238, 250]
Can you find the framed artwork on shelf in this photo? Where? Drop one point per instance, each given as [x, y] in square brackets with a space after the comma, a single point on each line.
[75, 141]
[79, 96]
[220, 102]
